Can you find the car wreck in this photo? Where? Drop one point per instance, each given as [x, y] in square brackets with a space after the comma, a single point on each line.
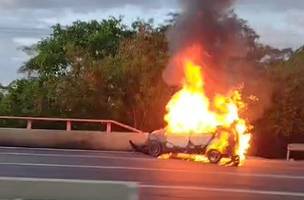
[208, 144]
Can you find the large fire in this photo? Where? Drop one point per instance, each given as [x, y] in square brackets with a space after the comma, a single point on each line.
[190, 111]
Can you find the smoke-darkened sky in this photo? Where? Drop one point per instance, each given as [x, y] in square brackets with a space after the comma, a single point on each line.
[23, 22]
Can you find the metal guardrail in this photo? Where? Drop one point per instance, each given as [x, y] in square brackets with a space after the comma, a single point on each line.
[62, 189]
[69, 121]
[294, 147]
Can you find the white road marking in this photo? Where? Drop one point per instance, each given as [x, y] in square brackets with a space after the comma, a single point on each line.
[228, 190]
[113, 156]
[80, 156]
[108, 156]
[64, 150]
[234, 174]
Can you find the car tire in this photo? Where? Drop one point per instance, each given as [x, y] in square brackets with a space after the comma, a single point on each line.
[214, 156]
[155, 148]
[236, 160]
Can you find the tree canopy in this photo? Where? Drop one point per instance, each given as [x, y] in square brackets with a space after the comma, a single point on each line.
[95, 70]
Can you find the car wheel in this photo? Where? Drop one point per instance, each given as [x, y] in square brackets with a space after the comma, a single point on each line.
[155, 148]
[214, 156]
[236, 160]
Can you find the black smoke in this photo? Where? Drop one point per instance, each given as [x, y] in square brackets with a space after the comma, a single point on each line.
[211, 33]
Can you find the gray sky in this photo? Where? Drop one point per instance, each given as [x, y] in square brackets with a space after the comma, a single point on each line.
[23, 22]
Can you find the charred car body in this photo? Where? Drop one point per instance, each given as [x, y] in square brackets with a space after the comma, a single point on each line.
[207, 144]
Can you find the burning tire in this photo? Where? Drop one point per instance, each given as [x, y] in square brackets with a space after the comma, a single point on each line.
[214, 156]
[155, 148]
[236, 160]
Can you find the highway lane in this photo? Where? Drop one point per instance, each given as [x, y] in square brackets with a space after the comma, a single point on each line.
[161, 179]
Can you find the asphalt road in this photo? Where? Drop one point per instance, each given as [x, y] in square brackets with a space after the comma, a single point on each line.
[161, 179]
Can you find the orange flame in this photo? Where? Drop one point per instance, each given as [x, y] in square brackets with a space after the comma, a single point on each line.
[190, 111]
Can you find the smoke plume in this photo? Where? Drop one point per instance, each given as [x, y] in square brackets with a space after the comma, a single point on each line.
[210, 33]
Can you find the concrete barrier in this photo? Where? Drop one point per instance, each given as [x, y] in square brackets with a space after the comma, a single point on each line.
[70, 139]
[59, 189]
[294, 147]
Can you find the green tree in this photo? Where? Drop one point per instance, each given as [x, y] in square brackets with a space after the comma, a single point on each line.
[141, 61]
[283, 121]
[63, 61]
[20, 98]
[102, 70]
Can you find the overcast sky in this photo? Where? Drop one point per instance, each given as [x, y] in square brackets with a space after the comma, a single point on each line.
[24, 22]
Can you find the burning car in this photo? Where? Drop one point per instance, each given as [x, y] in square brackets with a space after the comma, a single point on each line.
[208, 144]
[197, 123]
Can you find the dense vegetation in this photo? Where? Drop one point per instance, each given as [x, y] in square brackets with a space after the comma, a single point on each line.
[108, 70]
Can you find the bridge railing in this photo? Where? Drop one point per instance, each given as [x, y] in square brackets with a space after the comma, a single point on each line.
[69, 121]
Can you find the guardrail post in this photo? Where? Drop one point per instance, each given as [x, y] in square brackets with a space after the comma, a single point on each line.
[68, 126]
[29, 124]
[109, 128]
